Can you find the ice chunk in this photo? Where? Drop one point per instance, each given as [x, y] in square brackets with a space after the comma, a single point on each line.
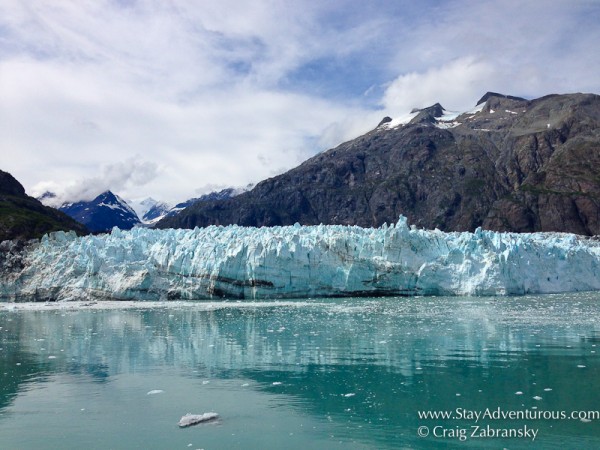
[155, 391]
[192, 419]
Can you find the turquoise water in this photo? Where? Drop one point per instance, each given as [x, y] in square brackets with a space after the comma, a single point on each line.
[318, 374]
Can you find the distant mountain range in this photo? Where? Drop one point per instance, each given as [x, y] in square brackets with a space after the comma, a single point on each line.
[223, 194]
[108, 210]
[24, 217]
[510, 164]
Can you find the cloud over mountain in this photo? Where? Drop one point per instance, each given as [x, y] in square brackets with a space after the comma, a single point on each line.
[229, 93]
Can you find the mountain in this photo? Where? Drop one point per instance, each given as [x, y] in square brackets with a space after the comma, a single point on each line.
[156, 212]
[149, 210]
[223, 194]
[510, 164]
[24, 217]
[103, 213]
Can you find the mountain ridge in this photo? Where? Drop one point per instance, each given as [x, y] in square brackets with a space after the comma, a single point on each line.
[510, 164]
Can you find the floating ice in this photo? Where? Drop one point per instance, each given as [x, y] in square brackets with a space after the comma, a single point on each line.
[307, 261]
[155, 391]
[193, 419]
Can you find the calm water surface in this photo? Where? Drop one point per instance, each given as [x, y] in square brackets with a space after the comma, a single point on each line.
[318, 374]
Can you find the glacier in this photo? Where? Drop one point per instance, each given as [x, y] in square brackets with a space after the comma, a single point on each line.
[297, 262]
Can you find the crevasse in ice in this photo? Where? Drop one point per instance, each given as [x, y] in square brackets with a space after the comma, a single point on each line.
[301, 261]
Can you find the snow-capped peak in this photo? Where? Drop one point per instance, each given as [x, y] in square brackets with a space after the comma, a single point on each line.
[148, 209]
[103, 213]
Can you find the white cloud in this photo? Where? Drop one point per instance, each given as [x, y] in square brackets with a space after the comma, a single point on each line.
[116, 177]
[204, 93]
[454, 85]
[519, 48]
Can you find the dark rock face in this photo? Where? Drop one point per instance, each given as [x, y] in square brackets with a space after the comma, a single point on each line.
[9, 185]
[495, 94]
[516, 165]
[386, 119]
[24, 217]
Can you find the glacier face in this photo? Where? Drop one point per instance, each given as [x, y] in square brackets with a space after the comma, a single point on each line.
[299, 261]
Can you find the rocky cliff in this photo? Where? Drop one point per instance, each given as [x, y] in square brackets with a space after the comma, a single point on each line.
[510, 165]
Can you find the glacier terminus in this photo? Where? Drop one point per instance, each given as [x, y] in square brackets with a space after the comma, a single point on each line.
[297, 261]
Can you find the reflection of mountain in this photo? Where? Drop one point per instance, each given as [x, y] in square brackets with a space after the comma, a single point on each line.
[396, 356]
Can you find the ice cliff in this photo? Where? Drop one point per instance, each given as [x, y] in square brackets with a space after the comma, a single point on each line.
[298, 261]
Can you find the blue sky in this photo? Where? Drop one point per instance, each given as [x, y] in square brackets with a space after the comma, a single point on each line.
[172, 99]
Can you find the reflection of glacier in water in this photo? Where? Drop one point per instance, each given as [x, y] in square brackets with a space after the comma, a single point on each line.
[279, 262]
[295, 334]
[358, 369]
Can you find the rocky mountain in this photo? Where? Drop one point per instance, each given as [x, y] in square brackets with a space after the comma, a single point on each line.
[508, 164]
[24, 217]
[103, 213]
[149, 210]
[156, 212]
[223, 194]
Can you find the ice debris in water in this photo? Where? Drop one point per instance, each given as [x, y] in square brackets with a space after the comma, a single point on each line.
[301, 261]
[155, 391]
[192, 419]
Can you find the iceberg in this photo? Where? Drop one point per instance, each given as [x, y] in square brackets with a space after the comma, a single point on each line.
[192, 419]
[297, 262]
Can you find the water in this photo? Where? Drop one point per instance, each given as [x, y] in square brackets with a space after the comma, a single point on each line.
[318, 374]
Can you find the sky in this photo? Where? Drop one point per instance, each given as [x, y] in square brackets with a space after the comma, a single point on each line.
[173, 99]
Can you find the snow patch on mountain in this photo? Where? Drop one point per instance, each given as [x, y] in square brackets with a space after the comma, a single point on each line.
[448, 119]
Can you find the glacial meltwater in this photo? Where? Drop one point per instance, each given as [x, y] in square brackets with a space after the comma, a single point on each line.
[359, 373]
